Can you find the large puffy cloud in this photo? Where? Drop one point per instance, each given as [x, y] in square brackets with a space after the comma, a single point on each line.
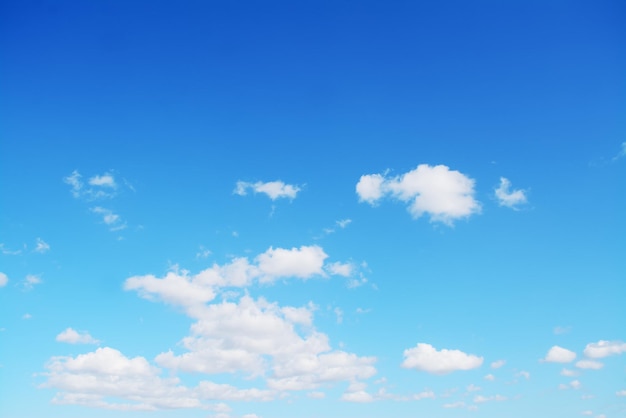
[507, 197]
[178, 287]
[255, 336]
[604, 349]
[443, 194]
[273, 189]
[96, 379]
[558, 354]
[426, 358]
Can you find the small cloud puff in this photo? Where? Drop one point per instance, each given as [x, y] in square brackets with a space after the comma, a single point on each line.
[507, 197]
[273, 189]
[71, 336]
[426, 358]
[443, 194]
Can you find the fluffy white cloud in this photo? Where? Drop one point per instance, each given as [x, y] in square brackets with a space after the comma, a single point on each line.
[340, 269]
[90, 379]
[589, 364]
[443, 194]
[426, 358]
[507, 197]
[303, 262]
[483, 399]
[4, 279]
[273, 189]
[604, 349]
[41, 246]
[558, 354]
[72, 336]
[497, 364]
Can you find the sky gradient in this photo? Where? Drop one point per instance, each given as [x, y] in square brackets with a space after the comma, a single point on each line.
[312, 209]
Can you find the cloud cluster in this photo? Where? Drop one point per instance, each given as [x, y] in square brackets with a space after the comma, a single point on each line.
[273, 189]
[444, 195]
[425, 357]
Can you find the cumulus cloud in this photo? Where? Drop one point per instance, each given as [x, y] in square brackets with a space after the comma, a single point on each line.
[72, 336]
[273, 189]
[41, 246]
[444, 195]
[589, 364]
[507, 197]
[604, 349]
[4, 279]
[425, 357]
[303, 262]
[558, 354]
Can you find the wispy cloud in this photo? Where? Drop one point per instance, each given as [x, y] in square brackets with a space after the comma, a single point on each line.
[273, 189]
[41, 246]
[4, 279]
[30, 281]
[111, 219]
[507, 197]
[621, 153]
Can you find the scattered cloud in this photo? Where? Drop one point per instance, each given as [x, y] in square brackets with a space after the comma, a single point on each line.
[621, 153]
[71, 336]
[304, 262]
[458, 404]
[339, 313]
[497, 364]
[574, 384]
[4, 279]
[30, 281]
[561, 330]
[443, 194]
[98, 187]
[589, 364]
[483, 399]
[507, 197]
[569, 373]
[203, 252]
[604, 349]
[273, 189]
[340, 269]
[586, 413]
[6, 251]
[111, 219]
[558, 354]
[41, 246]
[105, 180]
[490, 377]
[472, 388]
[425, 357]
[343, 223]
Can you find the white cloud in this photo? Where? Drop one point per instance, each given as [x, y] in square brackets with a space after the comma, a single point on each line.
[426, 358]
[31, 281]
[490, 377]
[102, 186]
[6, 251]
[437, 191]
[342, 223]
[4, 279]
[41, 246]
[340, 269]
[575, 384]
[472, 388]
[621, 392]
[303, 262]
[589, 364]
[203, 252]
[71, 336]
[111, 219]
[558, 354]
[562, 330]
[497, 364]
[27, 316]
[223, 392]
[273, 189]
[483, 399]
[316, 395]
[586, 413]
[524, 374]
[604, 349]
[507, 197]
[569, 373]
[105, 180]
[458, 404]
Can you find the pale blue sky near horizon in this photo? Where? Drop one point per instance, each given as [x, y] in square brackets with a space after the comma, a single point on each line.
[312, 209]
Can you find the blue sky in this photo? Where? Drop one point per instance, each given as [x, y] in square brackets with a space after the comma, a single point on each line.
[312, 209]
